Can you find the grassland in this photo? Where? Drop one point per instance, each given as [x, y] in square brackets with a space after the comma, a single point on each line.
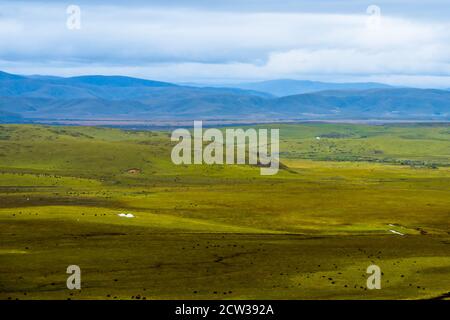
[225, 232]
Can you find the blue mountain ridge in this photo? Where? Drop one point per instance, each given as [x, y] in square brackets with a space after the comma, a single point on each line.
[92, 97]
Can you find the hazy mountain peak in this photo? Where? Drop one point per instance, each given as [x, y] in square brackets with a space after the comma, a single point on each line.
[9, 76]
[286, 87]
[122, 81]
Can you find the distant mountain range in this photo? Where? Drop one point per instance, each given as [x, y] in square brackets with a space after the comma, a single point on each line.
[287, 87]
[35, 98]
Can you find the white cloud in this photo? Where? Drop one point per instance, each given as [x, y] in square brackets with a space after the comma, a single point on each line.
[188, 45]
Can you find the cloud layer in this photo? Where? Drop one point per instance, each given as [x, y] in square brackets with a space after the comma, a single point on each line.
[203, 44]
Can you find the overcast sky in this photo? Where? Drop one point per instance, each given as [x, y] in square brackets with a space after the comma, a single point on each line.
[226, 41]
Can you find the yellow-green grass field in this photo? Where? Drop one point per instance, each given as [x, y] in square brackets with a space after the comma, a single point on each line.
[225, 231]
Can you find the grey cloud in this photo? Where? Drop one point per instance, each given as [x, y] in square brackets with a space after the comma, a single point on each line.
[214, 40]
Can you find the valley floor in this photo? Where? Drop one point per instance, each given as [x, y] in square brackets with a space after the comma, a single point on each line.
[361, 195]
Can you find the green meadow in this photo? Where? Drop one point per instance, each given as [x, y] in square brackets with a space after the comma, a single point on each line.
[347, 196]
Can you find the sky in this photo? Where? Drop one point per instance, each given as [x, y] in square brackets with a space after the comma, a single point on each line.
[207, 41]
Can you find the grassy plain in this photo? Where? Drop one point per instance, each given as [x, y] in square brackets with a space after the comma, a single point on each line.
[204, 232]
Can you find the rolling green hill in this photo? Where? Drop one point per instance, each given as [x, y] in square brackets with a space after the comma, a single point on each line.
[224, 232]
